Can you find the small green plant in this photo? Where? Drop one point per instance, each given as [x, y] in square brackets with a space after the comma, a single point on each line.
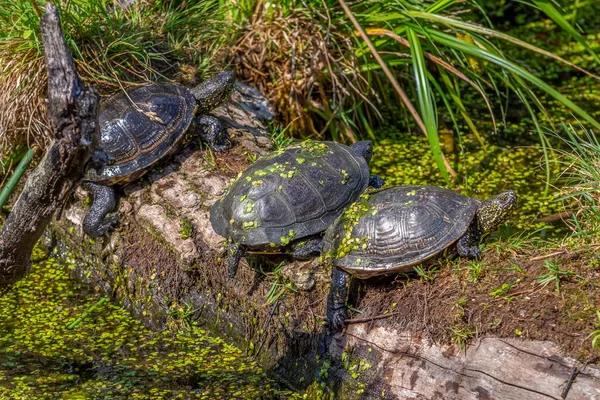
[251, 157]
[278, 288]
[555, 275]
[186, 228]
[279, 136]
[462, 334]
[475, 270]
[595, 335]
[502, 290]
[426, 275]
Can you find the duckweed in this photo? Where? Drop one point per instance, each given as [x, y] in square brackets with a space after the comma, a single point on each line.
[285, 240]
[406, 160]
[109, 354]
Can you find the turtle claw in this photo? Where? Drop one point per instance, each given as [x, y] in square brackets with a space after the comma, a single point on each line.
[338, 321]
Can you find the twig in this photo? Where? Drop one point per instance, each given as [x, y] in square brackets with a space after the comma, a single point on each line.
[369, 319]
[36, 8]
[558, 217]
[574, 373]
[392, 79]
[265, 325]
[556, 253]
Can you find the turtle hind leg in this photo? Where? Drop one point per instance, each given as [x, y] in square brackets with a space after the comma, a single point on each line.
[336, 301]
[97, 221]
[235, 252]
[307, 249]
[468, 245]
[212, 131]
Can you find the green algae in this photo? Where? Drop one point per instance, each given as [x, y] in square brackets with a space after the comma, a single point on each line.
[109, 354]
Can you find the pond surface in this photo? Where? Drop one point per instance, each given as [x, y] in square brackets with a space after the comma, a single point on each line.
[46, 352]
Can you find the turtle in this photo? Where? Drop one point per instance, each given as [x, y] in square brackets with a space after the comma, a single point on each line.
[143, 126]
[285, 200]
[394, 229]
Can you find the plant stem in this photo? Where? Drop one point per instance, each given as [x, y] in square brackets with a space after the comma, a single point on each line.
[392, 79]
[86, 312]
[16, 177]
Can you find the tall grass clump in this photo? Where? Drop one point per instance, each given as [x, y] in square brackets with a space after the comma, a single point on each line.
[581, 180]
[333, 66]
[113, 46]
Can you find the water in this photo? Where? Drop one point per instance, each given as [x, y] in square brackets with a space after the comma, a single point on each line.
[109, 354]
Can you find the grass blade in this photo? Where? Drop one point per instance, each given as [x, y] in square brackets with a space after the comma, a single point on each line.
[16, 177]
[425, 100]
[493, 33]
[460, 45]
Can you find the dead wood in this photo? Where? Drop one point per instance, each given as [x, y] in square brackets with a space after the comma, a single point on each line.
[72, 112]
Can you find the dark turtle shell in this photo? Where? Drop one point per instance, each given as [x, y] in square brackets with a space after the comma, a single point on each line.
[140, 127]
[393, 229]
[290, 194]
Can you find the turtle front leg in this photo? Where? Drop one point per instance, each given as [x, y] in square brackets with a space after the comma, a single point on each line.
[468, 245]
[212, 131]
[96, 223]
[235, 252]
[307, 249]
[336, 302]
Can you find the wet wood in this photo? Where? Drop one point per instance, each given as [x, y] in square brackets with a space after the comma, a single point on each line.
[72, 112]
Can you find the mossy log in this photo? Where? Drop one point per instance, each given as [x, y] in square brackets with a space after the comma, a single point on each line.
[72, 112]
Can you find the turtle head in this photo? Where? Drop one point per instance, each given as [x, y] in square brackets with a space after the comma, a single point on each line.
[214, 92]
[364, 148]
[494, 211]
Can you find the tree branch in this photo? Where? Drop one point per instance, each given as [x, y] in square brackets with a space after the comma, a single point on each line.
[72, 112]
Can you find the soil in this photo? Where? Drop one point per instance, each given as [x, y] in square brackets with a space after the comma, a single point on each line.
[506, 299]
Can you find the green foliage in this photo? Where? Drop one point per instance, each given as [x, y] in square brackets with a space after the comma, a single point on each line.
[278, 286]
[475, 270]
[462, 334]
[113, 47]
[459, 50]
[595, 335]
[581, 179]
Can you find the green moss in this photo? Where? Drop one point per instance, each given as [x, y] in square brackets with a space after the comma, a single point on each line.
[186, 228]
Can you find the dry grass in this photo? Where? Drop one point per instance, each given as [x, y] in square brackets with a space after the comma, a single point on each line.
[299, 58]
[112, 47]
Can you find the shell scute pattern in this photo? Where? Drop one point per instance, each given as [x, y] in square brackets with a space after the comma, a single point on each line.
[142, 126]
[411, 225]
[293, 194]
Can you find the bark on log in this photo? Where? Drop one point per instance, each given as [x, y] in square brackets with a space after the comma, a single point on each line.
[72, 112]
